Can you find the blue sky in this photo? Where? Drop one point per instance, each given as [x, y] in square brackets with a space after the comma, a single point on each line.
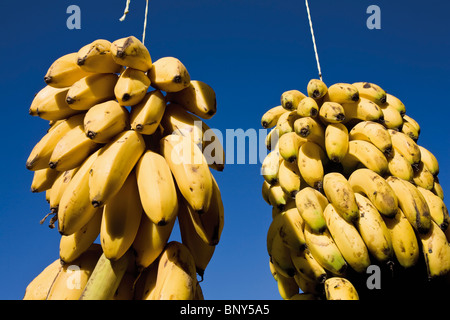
[250, 52]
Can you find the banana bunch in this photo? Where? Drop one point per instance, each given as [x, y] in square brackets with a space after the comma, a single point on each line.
[127, 153]
[352, 191]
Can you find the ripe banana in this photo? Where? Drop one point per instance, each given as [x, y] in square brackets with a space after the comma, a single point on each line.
[375, 133]
[437, 188]
[290, 99]
[406, 146]
[198, 98]
[91, 90]
[145, 117]
[336, 141]
[74, 245]
[342, 93]
[287, 287]
[145, 284]
[289, 177]
[150, 241]
[286, 122]
[392, 117]
[422, 177]
[39, 287]
[281, 257]
[96, 57]
[270, 118]
[399, 167]
[75, 208]
[43, 179]
[376, 188]
[338, 288]
[436, 250]
[265, 191]
[310, 128]
[213, 149]
[131, 87]
[105, 120]
[347, 238]
[121, 218]
[412, 204]
[72, 149]
[272, 138]
[409, 129]
[404, 240]
[288, 146]
[371, 91]
[373, 230]
[307, 285]
[190, 170]
[362, 110]
[50, 104]
[396, 103]
[429, 159]
[278, 198]
[132, 53]
[438, 209]
[176, 277]
[415, 126]
[290, 228]
[113, 165]
[306, 265]
[308, 107]
[339, 193]
[316, 88]
[325, 251]
[311, 160]
[310, 204]
[331, 112]
[270, 166]
[65, 71]
[59, 187]
[367, 154]
[169, 74]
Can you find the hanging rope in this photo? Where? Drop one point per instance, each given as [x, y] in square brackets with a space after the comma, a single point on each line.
[127, 10]
[314, 40]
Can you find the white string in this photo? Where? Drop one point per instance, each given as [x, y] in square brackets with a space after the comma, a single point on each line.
[145, 22]
[314, 40]
[126, 10]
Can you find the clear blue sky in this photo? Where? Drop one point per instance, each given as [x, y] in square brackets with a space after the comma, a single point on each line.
[249, 51]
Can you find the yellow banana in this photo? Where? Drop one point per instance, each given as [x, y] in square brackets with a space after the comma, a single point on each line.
[436, 251]
[412, 204]
[371, 91]
[307, 285]
[131, 87]
[65, 71]
[287, 287]
[429, 159]
[367, 154]
[347, 238]
[91, 90]
[376, 188]
[288, 146]
[308, 107]
[398, 166]
[50, 104]
[150, 241]
[396, 103]
[132, 53]
[72, 149]
[289, 178]
[404, 240]
[286, 122]
[281, 257]
[373, 132]
[75, 208]
[423, 177]
[42, 151]
[410, 130]
[121, 218]
[338, 288]
[159, 202]
[310, 204]
[311, 160]
[169, 74]
[290, 228]
[201, 251]
[272, 139]
[291, 98]
[278, 198]
[336, 141]
[415, 126]
[437, 188]
[74, 245]
[96, 57]
[73, 277]
[392, 117]
[113, 165]
[39, 287]
[373, 230]
[362, 110]
[325, 251]
[43, 179]
[307, 266]
[438, 209]
[176, 277]
[316, 88]
[342, 93]
[265, 191]
[331, 112]
[270, 166]
[308, 127]
[339, 193]
[145, 284]
[146, 116]
[198, 98]
[270, 118]
[105, 120]
[190, 170]
[59, 187]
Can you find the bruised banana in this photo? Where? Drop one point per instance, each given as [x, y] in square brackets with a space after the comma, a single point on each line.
[338, 288]
[96, 57]
[290, 228]
[362, 110]
[367, 154]
[438, 209]
[371, 91]
[373, 132]
[436, 250]
[145, 117]
[169, 74]
[132, 53]
[65, 71]
[307, 266]
[339, 192]
[331, 112]
[406, 146]
[131, 87]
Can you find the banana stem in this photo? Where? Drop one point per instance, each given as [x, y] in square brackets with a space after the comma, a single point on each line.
[106, 277]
